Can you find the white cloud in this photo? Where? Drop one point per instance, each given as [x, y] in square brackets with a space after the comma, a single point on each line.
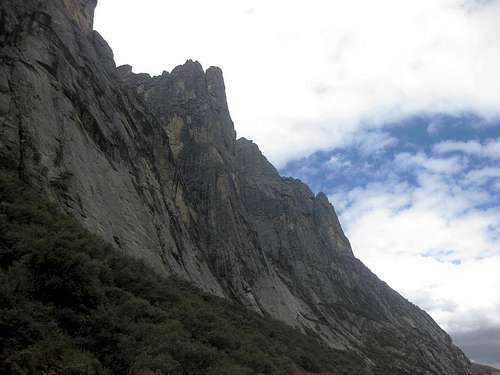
[437, 165]
[461, 297]
[370, 142]
[338, 162]
[433, 240]
[303, 76]
[483, 176]
[488, 149]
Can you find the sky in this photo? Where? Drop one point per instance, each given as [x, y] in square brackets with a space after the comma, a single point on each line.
[392, 108]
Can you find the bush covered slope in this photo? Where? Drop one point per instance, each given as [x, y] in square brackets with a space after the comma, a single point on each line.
[71, 304]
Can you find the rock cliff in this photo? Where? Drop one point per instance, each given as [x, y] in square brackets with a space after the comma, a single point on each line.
[153, 165]
[478, 369]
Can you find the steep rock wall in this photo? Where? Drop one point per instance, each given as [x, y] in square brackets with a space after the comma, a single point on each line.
[72, 131]
[152, 164]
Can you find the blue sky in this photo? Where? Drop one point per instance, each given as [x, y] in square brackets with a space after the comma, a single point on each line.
[420, 201]
[391, 107]
[372, 154]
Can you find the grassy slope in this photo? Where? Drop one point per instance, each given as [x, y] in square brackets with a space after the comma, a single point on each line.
[70, 304]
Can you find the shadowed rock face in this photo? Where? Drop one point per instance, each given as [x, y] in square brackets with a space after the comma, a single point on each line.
[478, 369]
[70, 128]
[152, 164]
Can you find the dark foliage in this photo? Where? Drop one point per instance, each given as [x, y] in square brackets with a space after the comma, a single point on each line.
[70, 304]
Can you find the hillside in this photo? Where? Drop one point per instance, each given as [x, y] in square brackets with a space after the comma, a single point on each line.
[478, 369]
[71, 304]
[152, 166]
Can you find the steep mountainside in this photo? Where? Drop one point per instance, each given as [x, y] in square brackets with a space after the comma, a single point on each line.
[109, 314]
[153, 166]
[478, 369]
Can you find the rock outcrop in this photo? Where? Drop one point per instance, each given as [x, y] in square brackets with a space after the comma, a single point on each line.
[478, 369]
[153, 165]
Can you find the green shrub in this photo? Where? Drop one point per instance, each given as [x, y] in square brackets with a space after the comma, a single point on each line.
[70, 304]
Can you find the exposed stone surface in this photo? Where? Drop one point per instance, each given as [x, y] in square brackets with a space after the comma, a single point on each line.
[152, 164]
[478, 369]
[91, 146]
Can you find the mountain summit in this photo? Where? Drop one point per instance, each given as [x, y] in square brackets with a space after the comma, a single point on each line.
[153, 166]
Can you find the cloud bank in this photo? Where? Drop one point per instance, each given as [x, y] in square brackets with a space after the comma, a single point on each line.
[304, 76]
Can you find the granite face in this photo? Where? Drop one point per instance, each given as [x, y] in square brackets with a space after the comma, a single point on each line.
[153, 165]
[478, 369]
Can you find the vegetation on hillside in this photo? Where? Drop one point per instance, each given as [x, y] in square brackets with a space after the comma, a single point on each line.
[70, 304]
